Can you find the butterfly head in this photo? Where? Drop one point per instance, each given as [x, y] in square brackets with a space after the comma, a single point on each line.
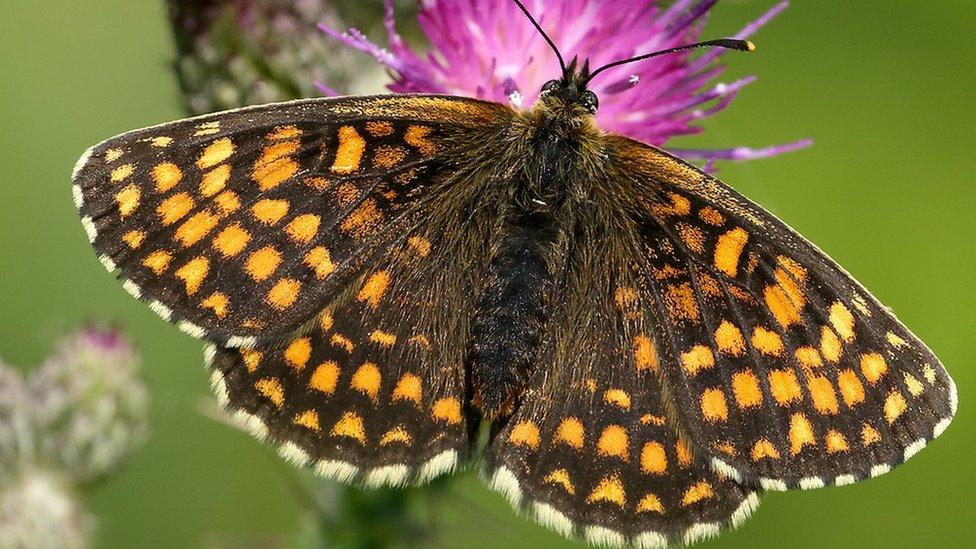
[570, 91]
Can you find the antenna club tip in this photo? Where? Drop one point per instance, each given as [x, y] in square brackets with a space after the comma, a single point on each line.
[750, 46]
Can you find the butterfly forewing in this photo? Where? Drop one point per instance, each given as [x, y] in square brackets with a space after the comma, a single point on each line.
[239, 225]
[781, 368]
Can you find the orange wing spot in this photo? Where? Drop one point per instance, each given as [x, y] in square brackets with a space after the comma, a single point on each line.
[385, 339]
[679, 299]
[367, 380]
[698, 358]
[420, 245]
[379, 128]
[174, 208]
[193, 273]
[319, 183]
[303, 228]
[232, 240]
[447, 410]
[571, 432]
[350, 152]
[650, 504]
[711, 216]
[626, 298]
[161, 141]
[869, 435]
[215, 153]
[808, 357]
[611, 490]
[195, 228]
[158, 261]
[561, 477]
[729, 339]
[134, 239]
[128, 199]
[350, 425]
[112, 155]
[823, 395]
[745, 386]
[895, 340]
[709, 285]
[679, 206]
[227, 202]
[692, 236]
[784, 386]
[873, 366]
[396, 434]
[915, 386]
[387, 156]
[215, 180]
[653, 459]
[785, 311]
[416, 136]
[767, 342]
[617, 397]
[252, 359]
[284, 293]
[320, 260]
[713, 405]
[275, 166]
[613, 442]
[683, 450]
[929, 373]
[346, 194]
[842, 320]
[269, 211]
[271, 389]
[590, 384]
[763, 449]
[308, 419]
[262, 263]
[850, 388]
[122, 172]
[835, 442]
[408, 388]
[374, 288]
[728, 250]
[786, 298]
[645, 353]
[284, 132]
[216, 302]
[894, 406]
[363, 220]
[166, 175]
[801, 433]
[648, 419]
[325, 377]
[420, 341]
[525, 433]
[830, 346]
[298, 352]
[339, 340]
[725, 447]
[697, 492]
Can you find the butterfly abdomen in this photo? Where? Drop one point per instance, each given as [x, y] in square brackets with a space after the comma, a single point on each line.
[513, 307]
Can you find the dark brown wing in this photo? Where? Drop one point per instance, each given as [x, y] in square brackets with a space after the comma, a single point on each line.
[778, 365]
[240, 226]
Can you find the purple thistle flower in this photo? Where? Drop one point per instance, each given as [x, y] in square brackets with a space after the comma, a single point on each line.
[488, 49]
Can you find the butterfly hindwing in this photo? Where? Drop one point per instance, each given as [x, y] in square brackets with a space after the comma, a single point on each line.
[780, 367]
[239, 226]
[590, 450]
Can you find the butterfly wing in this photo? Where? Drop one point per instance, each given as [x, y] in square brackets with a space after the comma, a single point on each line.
[590, 451]
[778, 365]
[372, 392]
[240, 226]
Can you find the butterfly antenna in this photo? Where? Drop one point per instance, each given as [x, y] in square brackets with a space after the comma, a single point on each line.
[728, 43]
[538, 27]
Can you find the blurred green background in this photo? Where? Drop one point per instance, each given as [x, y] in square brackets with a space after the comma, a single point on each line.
[884, 88]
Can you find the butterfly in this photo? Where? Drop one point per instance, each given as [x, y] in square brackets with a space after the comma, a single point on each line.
[380, 279]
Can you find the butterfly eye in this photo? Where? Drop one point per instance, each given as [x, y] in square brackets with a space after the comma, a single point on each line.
[590, 101]
[550, 86]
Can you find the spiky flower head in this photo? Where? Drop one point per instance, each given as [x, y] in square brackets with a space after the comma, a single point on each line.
[40, 509]
[89, 405]
[16, 437]
[488, 49]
